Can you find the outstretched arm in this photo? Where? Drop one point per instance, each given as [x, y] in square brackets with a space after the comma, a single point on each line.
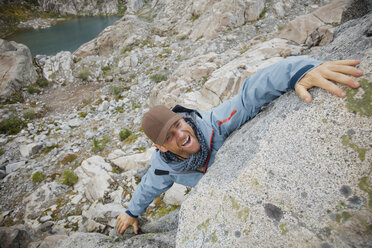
[322, 76]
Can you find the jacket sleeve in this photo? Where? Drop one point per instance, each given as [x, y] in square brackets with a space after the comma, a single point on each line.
[149, 188]
[259, 90]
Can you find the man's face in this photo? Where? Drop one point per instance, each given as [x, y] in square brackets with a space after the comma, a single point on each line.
[180, 140]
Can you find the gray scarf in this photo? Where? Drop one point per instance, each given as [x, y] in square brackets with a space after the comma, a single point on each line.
[196, 160]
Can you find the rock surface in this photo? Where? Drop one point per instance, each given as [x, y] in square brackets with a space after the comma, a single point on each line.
[16, 69]
[298, 174]
[81, 7]
[302, 27]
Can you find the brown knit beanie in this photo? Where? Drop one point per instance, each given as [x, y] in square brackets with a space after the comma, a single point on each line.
[157, 121]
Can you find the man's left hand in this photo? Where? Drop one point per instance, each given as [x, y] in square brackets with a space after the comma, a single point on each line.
[322, 75]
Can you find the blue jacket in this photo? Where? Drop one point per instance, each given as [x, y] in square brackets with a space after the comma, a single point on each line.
[218, 123]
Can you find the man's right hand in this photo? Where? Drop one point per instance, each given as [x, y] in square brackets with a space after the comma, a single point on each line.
[124, 221]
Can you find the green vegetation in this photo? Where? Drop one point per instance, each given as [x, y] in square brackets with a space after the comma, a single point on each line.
[122, 8]
[204, 225]
[141, 149]
[281, 27]
[99, 145]
[127, 49]
[283, 229]
[214, 237]
[234, 203]
[68, 158]
[69, 178]
[194, 17]
[131, 139]
[2, 151]
[365, 185]
[157, 78]
[42, 82]
[29, 114]
[263, 12]
[76, 59]
[118, 89]
[106, 68]
[124, 134]
[361, 104]
[15, 98]
[135, 106]
[163, 211]
[115, 170]
[343, 216]
[12, 125]
[46, 150]
[243, 214]
[200, 37]
[82, 114]
[84, 75]
[32, 90]
[346, 141]
[245, 48]
[38, 177]
[13, 13]
[119, 109]
[146, 13]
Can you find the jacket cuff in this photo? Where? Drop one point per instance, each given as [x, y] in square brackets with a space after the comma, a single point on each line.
[130, 214]
[299, 74]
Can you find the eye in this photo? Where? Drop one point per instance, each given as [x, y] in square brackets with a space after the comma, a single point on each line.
[168, 137]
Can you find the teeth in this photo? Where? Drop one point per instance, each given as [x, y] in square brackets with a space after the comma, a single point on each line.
[187, 140]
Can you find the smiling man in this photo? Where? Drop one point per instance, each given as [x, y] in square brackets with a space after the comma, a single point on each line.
[187, 140]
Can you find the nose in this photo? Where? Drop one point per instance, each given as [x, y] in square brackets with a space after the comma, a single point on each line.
[180, 134]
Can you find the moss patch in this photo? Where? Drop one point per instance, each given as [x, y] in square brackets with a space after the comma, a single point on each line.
[283, 229]
[68, 158]
[38, 177]
[160, 212]
[361, 151]
[343, 216]
[214, 237]
[243, 214]
[361, 104]
[365, 185]
[204, 225]
[234, 203]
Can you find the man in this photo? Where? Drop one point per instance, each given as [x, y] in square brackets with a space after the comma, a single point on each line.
[187, 141]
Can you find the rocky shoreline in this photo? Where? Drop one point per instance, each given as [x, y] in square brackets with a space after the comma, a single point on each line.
[80, 129]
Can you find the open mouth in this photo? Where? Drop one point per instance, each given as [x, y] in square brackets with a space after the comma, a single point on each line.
[187, 141]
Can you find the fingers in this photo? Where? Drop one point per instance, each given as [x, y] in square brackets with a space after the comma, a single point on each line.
[122, 227]
[349, 70]
[342, 79]
[121, 224]
[350, 62]
[135, 227]
[124, 221]
[303, 93]
[321, 76]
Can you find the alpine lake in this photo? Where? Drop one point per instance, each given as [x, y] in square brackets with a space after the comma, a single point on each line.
[65, 36]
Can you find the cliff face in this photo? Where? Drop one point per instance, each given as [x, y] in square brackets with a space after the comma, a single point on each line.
[83, 7]
[297, 174]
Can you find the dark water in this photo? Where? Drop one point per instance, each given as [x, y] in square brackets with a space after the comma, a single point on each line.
[65, 36]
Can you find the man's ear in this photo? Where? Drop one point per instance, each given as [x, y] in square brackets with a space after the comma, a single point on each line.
[161, 148]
